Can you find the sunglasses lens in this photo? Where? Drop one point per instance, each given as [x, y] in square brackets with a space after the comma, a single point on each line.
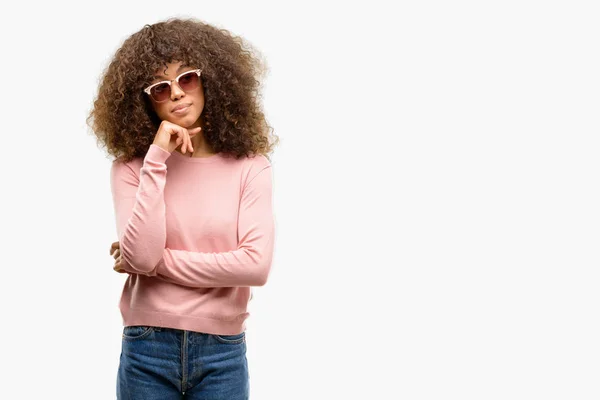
[161, 92]
[188, 81]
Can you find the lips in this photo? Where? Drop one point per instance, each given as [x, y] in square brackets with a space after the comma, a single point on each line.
[179, 107]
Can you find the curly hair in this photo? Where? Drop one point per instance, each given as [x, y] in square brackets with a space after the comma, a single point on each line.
[122, 117]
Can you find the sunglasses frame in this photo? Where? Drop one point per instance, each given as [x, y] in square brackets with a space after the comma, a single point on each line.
[170, 82]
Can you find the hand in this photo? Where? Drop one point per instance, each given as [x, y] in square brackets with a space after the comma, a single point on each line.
[115, 251]
[170, 136]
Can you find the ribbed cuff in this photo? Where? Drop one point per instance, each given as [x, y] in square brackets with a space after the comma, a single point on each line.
[157, 153]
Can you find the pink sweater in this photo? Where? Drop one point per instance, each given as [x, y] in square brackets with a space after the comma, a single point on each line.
[194, 244]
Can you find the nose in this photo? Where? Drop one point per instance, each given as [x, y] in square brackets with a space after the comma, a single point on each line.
[176, 91]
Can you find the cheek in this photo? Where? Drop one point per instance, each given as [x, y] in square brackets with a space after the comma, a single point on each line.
[199, 94]
[161, 111]
[198, 97]
[198, 100]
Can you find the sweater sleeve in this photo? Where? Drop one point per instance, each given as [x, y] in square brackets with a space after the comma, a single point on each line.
[249, 264]
[140, 210]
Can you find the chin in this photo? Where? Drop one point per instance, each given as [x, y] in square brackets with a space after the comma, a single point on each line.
[189, 121]
[184, 121]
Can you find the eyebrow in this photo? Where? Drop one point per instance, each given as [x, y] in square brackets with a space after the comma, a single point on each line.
[165, 77]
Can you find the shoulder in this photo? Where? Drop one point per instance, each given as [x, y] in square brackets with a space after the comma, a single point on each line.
[254, 166]
[125, 170]
[258, 161]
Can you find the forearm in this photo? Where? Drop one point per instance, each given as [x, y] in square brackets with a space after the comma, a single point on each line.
[140, 211]
[242, 267]
[144, 235]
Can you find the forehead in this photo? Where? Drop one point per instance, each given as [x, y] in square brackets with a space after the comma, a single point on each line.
[169, 70]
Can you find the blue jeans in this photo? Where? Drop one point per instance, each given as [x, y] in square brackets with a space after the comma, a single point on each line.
[165, 363]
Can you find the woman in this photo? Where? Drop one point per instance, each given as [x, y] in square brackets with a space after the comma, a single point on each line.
[192, 189]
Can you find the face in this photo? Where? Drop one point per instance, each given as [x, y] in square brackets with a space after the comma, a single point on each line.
[188, 117]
